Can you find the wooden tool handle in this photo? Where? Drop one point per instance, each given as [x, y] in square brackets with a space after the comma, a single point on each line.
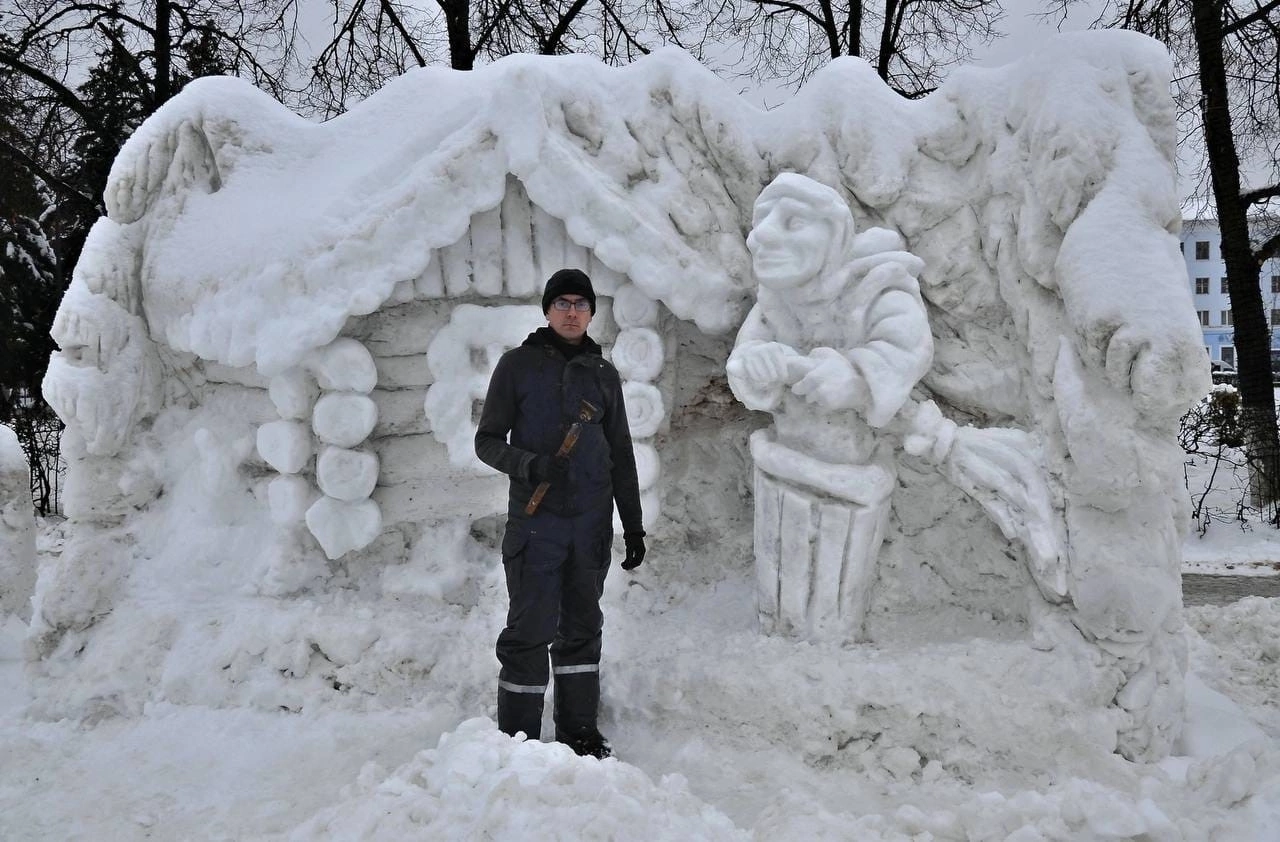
[570, 439]
[566, 447]
[536, 499]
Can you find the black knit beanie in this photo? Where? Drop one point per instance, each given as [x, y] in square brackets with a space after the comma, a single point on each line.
[568, 282]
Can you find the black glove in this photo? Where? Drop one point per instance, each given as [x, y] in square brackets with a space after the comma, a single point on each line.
[635, 550]
[550, 469]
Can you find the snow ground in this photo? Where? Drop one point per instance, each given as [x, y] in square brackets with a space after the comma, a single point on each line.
[710, 748]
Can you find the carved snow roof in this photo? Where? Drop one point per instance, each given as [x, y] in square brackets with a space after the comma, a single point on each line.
[264, 231]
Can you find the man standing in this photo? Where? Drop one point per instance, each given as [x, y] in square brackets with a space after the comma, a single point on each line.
[556, 548]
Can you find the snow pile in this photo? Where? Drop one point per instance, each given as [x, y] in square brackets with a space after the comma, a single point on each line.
[480, 784]
[17, 529]
[791, 741]
[1245, 653]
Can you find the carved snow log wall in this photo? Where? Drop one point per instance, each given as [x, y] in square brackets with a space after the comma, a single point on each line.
[422, 363]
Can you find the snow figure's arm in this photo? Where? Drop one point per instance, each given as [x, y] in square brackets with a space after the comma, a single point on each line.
[496, 420]
[758, 369]
[1003, 470]
[877, 375]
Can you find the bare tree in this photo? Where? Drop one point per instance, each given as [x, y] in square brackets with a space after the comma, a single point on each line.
[374, 40]
[911, 43]
[49, 46]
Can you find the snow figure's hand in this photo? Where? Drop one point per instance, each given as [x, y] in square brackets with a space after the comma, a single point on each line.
[928, 435]
[1156, 369]
[828, 379]
[764, 364]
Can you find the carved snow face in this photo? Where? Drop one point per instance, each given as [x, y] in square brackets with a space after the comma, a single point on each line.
[105, 378]
[789, 242]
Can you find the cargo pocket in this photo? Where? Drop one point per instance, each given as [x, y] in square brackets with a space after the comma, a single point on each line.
[513, 543]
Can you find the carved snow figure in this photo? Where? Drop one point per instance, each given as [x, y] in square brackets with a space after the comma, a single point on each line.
[835, 343]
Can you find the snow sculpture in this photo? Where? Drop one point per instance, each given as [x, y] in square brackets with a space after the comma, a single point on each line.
[344, 418]
[833, 347]
[284, 445]
[256, 268]
[638, 354]
[17, 529]
[345, 519]
[105, 378]
[342, 525]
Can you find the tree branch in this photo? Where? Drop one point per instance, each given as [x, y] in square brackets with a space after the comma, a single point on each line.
[131, 59]
[556, 35]
[1269, 249]
[64, 188]
[793, 7]
[1253, 197]
[64, 94]
[1258, 14]
[491, 26]
[390, 12]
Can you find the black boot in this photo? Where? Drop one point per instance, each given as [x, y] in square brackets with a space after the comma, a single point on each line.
[589, 744]
[576, 704]
[520, 712]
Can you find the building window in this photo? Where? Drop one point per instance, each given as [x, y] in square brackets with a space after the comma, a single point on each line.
[1225, 291]
[1202, 286]
[1226, 318]
[1202, 249]
[1229, 355]
[1204, 317]
[1275, 284]
[1275, 318]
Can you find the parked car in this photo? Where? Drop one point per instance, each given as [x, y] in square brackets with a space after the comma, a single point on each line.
[1225, 374]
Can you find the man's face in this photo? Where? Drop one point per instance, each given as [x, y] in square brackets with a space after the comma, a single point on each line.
[788, 242]
[570, 324]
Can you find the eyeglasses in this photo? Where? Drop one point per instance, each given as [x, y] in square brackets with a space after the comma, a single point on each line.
[581, 304]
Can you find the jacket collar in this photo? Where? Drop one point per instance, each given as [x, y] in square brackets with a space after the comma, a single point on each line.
[545, 337]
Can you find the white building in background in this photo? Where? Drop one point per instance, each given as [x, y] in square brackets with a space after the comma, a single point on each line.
[1207, 274]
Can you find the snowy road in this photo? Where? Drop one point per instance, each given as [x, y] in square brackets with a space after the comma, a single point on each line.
[1200, 589]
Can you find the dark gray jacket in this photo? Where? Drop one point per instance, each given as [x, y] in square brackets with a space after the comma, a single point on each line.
[534, 395]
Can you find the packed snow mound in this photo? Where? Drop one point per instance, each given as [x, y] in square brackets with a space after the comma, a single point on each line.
[17, 529]
[481, 784]
[1251, 663]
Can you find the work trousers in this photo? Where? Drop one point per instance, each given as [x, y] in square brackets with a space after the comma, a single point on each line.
[555, 567]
